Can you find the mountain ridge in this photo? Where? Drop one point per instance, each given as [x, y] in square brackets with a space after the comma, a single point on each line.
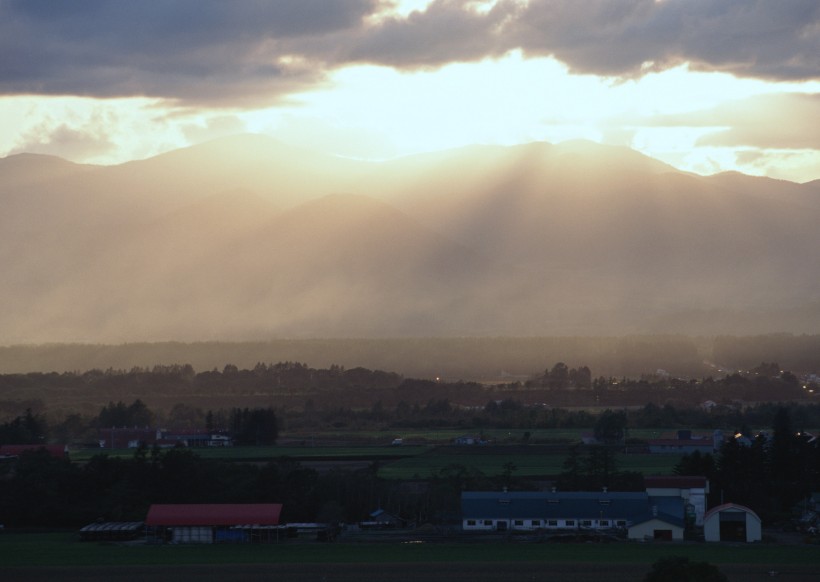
[247, 238]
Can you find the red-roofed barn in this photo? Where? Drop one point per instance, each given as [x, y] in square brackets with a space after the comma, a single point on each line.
[209, 523]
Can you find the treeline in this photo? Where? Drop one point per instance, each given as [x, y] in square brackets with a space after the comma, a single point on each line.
[772, 473]
[464, 358]
[176, 392]
[246, 426]
[479, 358]
[39, 490]
[263, 425]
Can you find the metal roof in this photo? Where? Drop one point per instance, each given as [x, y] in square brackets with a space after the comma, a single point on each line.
[214, 514]
[729, 507]
[113, 526]
[635, 507]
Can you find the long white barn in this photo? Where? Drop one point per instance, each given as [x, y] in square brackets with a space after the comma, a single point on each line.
[637, 513]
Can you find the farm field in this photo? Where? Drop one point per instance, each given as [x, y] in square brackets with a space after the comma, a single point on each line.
[417, 461]
[447, 435]
[409, 462]
[529, 461]
[46, 556]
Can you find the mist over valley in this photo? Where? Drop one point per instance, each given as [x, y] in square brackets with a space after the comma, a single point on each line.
[245, 238]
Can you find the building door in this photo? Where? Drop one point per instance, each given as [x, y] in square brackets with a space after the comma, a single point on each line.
[501, 525]
[733, 526]
[664, 535]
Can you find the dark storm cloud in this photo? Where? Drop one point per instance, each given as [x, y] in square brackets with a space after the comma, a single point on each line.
[194, 50]
[750, 38]
[447, 31]
[754, 38]
[211, 51]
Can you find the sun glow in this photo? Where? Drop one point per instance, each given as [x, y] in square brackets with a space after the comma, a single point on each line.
[376, 112]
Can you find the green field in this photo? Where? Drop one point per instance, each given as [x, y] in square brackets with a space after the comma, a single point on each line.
[527, 464]
[64, 549]
[409, 462]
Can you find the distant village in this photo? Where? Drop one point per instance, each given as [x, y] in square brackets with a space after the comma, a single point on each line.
[141, 481]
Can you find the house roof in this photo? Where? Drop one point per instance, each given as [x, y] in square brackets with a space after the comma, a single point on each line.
[630, 506]
[729, 507]
[214, 514]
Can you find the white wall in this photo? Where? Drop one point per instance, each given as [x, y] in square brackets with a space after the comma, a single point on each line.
[646, 530]
[193, 535]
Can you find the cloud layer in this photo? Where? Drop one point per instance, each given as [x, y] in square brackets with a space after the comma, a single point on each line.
[213, 52]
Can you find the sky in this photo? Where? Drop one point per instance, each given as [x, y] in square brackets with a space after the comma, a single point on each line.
[705, 85]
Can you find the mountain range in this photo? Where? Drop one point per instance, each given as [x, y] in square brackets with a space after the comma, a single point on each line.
[248, 238]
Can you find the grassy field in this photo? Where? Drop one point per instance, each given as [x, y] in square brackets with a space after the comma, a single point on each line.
[527, 463]
[408, 461]
[63, 549]
[446, 435]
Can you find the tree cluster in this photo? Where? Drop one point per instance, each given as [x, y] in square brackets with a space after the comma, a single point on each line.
[770, 473]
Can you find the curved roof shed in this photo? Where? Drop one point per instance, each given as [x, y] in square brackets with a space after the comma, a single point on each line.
[731, 522]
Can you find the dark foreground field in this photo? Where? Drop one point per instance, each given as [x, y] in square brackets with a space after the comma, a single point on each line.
[400, 572]
[59, 556]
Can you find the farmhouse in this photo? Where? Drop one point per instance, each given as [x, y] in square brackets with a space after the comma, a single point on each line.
[638, 514]
[686, 443]
[132, 438]
[213, 523]
[731, 523]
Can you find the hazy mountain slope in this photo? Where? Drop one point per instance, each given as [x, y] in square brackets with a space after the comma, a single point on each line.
[247, 238]
[342, 263]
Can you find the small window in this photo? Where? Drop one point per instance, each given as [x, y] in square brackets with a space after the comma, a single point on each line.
[519, 522]
[570, 523]
[586, 523]
[470, 522]
[604, 523]
[552, 523]
[535, 522]
[488, 522]
[621, 523]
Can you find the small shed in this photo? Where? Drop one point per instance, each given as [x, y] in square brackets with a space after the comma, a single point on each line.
[209, 523]
[731, 523]
[112, 531]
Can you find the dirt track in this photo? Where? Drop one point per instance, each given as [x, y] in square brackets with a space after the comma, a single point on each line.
[447, 572]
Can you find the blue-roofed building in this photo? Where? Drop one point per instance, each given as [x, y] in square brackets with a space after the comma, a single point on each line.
[635, 513]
